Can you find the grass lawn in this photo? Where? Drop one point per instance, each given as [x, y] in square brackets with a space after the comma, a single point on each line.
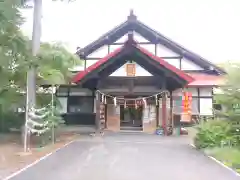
[229, 156]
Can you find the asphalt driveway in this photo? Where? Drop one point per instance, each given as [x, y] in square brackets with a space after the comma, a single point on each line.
[127, 157]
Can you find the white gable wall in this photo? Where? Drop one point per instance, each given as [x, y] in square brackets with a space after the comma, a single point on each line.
[174, 62]
[114, 47]
[189, 65]
[122, 39]
[137, 37]
[139, 71]
[99, 53]
[162, 51]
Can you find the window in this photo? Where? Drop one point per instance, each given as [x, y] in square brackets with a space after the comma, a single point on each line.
[177, 105]
[81, 104]
[206, 106]
[217, 107]
[63, 104]
[193, 91]
[195, 106]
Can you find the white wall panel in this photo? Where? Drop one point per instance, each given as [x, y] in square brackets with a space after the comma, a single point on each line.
[100, 53]
[193, 91]
[63, 104]
[174, 62]
[189, 65]
[206, 106]
[205, 91]
[139, 38]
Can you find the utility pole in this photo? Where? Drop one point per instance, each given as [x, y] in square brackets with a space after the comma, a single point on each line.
[31, 74]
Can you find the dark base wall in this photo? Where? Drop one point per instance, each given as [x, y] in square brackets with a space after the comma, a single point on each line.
[79, 118]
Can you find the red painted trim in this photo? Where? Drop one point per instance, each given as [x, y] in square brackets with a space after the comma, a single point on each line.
[202, 79]
[94, 66]
[168, 66]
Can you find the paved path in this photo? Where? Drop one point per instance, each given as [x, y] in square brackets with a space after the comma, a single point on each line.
[127, 157]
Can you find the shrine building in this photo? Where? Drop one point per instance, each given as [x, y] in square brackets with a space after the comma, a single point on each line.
[138, 80]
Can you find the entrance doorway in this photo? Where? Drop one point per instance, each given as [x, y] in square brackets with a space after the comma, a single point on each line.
[131, 117]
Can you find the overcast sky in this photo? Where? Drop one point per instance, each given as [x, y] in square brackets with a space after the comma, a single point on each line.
[211, 28]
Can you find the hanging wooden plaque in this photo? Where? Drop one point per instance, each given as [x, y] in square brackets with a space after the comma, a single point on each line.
[131, 69]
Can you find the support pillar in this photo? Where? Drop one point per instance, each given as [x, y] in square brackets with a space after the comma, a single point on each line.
[164, 113]
[97, 112]
[171, 110]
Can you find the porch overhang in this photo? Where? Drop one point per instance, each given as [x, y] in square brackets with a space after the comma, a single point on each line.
[131, 51]
[206, 80]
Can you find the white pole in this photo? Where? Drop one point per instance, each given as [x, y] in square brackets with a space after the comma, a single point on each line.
[31, 84]
[52, 113]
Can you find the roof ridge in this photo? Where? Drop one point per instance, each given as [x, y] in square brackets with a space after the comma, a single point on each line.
[126, 26]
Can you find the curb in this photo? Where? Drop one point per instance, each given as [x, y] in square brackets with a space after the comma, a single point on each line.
[37, 161]
[219, 162]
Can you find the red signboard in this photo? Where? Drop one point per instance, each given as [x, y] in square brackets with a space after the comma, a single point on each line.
[187, 102]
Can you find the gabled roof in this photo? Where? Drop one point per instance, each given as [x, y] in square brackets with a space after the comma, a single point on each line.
[132, 24]
[130, 48]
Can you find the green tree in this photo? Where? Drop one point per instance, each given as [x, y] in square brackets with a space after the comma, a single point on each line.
[229, 98]
[54, 64]
[15, 54]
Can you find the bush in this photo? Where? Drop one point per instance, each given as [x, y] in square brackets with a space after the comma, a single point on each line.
[212, 134]
[10, 120]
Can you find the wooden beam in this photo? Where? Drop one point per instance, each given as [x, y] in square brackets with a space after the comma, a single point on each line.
[155, 49]
[108, 48]
[164, 114]
[136, 89]
[131, 85]
[158, 81]
[93, 58]
[171, 57]
[180, 63]
[164, 57]
[140, 43]
[164, 83]
[68, 92]
[97, 115]
[198, 99]
[171, 108]
[85, 64]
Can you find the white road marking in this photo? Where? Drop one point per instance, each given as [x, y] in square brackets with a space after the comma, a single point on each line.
[230, 169]
[89, 157]
[220, 163]
[193, 145]
[114, 161]
[37, 161]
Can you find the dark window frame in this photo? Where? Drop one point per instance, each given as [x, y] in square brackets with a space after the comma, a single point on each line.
[78, 102]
